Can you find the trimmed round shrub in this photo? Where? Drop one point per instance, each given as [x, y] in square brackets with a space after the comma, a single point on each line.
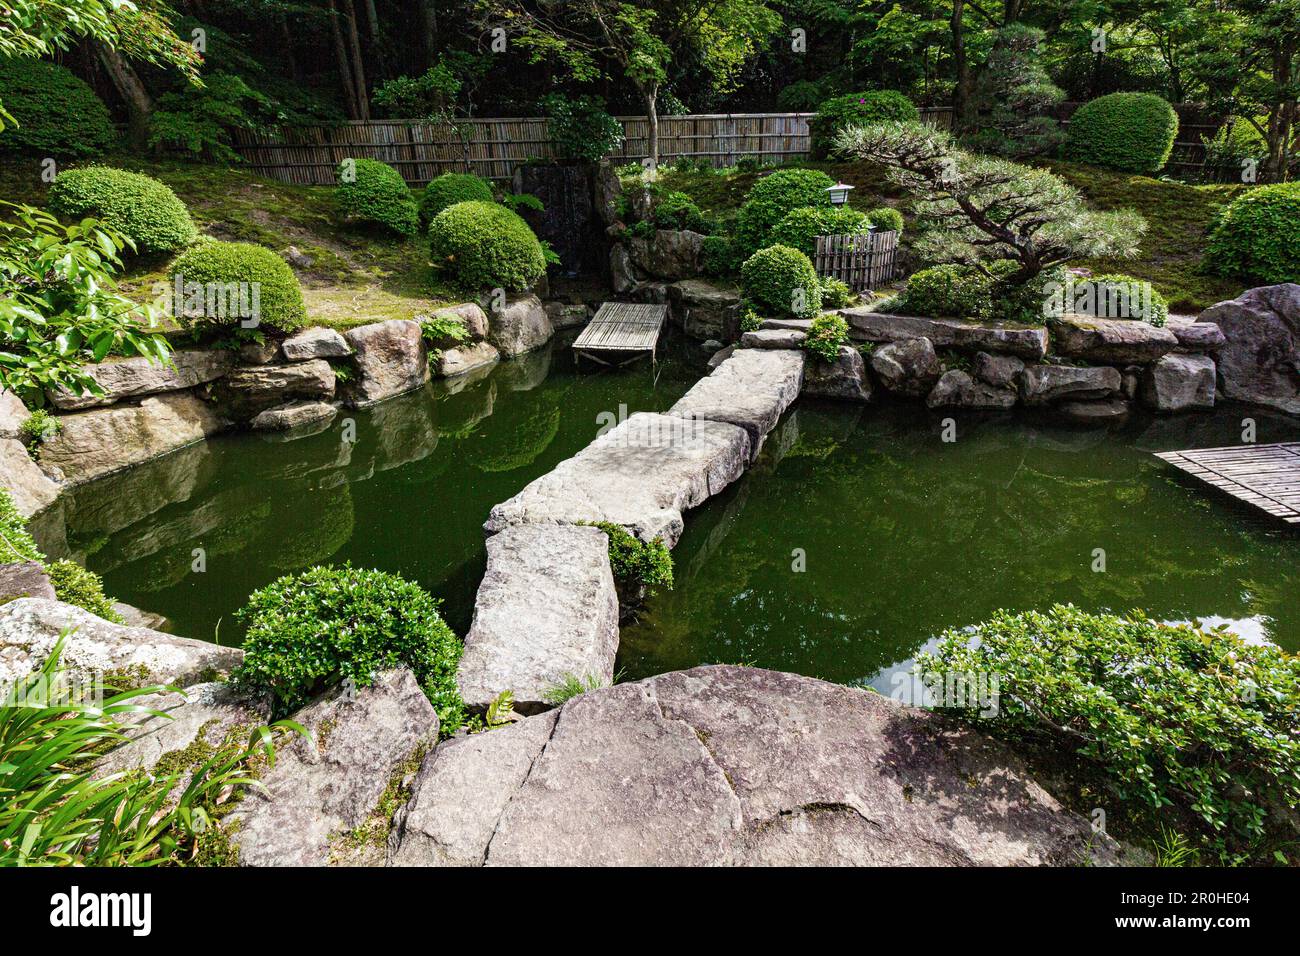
[216, 265]
[856, 109]
[827, 333]
[374, 192]
[1120, 296]
[449, 189]
[799, 228]
[486, 246]
[139, 207]
[783, 280]
[1133, 132]
[307, 632]
[676, 210]
[1257, 236]
[57, 114]
[948, 291]
[773, 196]
[886, 219]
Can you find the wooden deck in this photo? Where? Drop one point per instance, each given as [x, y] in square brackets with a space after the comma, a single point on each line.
[1266, 476]
[625, 329]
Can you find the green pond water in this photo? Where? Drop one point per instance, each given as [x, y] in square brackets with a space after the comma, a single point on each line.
[900, 534]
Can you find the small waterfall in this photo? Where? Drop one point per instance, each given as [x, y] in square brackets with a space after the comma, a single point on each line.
[570, 222]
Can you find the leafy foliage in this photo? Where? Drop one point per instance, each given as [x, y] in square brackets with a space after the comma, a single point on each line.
[449, 189]
[827, 333]
[836, 294]
[369, 191]
[1129, 131]
[635, 562]
[580, 127]
[1116, 284]
[855, 109]
[220, 263]
[772, 197]
[718, 256]
[947, 291]
[1179, 720]
[197, 121]
[54, 112]
[76, 585]
[39, 427]
[309, 631]
[140, 207]
[1257, 236]
[59, 305]
[1013, 98]
[676, 210]
[484, 245]
[799, 228]
[782, 279]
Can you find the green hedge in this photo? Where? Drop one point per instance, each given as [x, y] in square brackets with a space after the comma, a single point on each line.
[799, 228]
[947, 291]
[140, 207]
[485, 246]
[856, 109]
[449, 189]
[1133, 132]
[886, 219]
[674, 210]
[376, 194]
[310, 631]
[56, 113]
[774, 276]
[1115, 286]
[1257, 236]
[772, 197]
[279, 295]
[827, 333]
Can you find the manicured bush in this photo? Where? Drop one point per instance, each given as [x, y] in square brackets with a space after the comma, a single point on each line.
[1127, 294]
[947, 291]
[484, 246]
[799, 228]
[1133, 132]
[1196, 727]
[836, 294]
[216, 265]
[449, 189]
[309, 631]
[718, 256]
[636, 563]
[772, 197]
[783, 280]
[369, 191]
[57, 114]
[827, 334]
[855, 109]
[1257, 236]
[139, 207]
[886, 219]
[674, 210]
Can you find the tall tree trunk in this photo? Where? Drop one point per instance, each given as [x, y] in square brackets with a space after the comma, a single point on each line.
[139, 104]
[358, 67]
[345, 68]
[376, 45]
[1011, 10]
[651, 94]
[287, 41]
[961, 90]
[429, 32]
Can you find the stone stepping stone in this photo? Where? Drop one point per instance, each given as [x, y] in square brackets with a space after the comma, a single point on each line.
[751, 389]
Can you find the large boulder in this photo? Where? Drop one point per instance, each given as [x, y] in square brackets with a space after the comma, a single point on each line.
[132, 377]
[908, 366]
[472, 316]
[751, 389]
[547, 609]
[670, 254]
[324, 786]
[294, 415]
[103, 440]
[1000, 371]
[1260, 361]
[845, 379]
[567, 315]
[467, 358]
[315, 343]
[29, 487]
[245, 392]
[1044, 384]
[705, 310]
[1028, 342]
[1121, 341]
[622, 279]
[734, 766]
[520, 326]
[391, 359]
[1204, 338]
[1178, 382]
[642, 474]
[957, 389]
[12, 414]
[21, 579]
[30, 627]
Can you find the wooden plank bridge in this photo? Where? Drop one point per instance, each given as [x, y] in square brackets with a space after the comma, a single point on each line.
[1266, 476]
[625, 329]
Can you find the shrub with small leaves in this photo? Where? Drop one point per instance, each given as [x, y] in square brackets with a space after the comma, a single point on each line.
[836, 294]
[39, 427]
[674, 210]
[449, 189]
[635, 562]
[827, 333]
[76, 585]
[484, 246]
[372, 192]
[1257, 236]
[139, 207]
[1125, 297]
[783, 280]
[799, 228]
[56, 113]
[772, 197]
[718, 256]
[240, 265]
[309, 631]
[886, 219]
[750, 321]
[947, 291]
[855, 109]
[1133, 132]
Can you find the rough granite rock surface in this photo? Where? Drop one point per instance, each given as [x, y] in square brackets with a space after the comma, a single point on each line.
[957, 389]
[315, 343]
[247, 392]
[1028, 342]
[1260, 360]
[907, 366]
[521, 326]
[1044, 384]
[727, 765]
[1122, 341]
[751, 389]
[131, 377]
[844, 380]
[467, 358]
[21, 579]
[30, 488]
[391, 359]
[1179, 382]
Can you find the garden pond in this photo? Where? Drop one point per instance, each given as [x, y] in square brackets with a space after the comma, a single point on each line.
[857, 538]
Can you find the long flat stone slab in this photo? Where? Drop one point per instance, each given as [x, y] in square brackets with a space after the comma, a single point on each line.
[1124, 341]
[546, 609]
[1026, 341]
[641, 474]
[132, 377]
[751, 389]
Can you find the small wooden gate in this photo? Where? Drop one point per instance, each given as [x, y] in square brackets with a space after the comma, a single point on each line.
[860, 262]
